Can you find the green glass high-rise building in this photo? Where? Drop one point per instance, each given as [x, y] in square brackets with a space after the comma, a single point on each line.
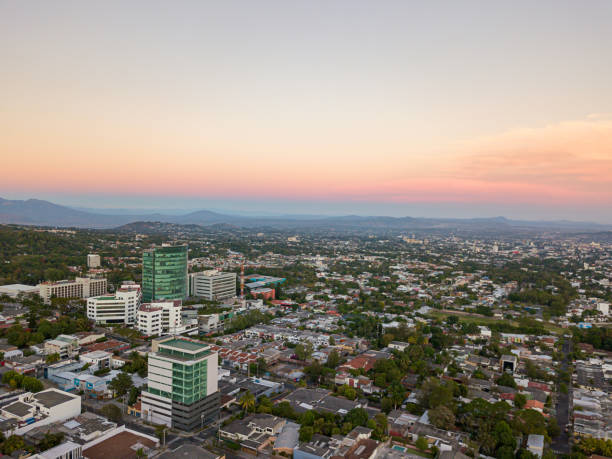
[164, 273]
[182, 390]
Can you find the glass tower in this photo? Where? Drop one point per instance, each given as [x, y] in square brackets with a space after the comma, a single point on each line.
[164, 273]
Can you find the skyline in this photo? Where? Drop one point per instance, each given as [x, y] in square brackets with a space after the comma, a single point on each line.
[467, 110]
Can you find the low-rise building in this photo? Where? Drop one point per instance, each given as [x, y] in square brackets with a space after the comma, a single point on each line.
[66, 346]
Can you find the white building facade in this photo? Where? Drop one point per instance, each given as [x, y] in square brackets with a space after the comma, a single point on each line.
[121, 307]
[81, 287]
[212, 285]
[163, 316]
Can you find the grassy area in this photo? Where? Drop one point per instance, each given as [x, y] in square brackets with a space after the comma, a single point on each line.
[484, 320]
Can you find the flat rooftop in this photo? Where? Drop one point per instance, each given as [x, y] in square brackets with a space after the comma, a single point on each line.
[51, 398]
[18, 408]
[121, 446]
[184, 344]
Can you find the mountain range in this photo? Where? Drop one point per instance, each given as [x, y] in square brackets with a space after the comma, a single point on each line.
[44, 213]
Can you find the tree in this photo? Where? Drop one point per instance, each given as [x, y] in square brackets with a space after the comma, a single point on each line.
[12, 378]
[306, 433]
[31, 384]
[381, 425]
[264, 405]
[284, 410]
[52, 358]
[51, 440]
[12, 443]
[421, 443]
[434, 393]
[121, 384]
[357, 417]
[504, 436]
[553, 428]
[247, 401]
[506, 380]
[303, 352]
[387, 404]
[529, 422]
[134, 393]
[112, 412]
[333, 359]
[442, 417]
[519, 400]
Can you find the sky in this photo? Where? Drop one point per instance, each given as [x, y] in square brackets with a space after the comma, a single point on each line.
[450, 109]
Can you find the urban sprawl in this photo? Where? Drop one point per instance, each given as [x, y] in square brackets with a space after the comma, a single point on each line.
[227, 343]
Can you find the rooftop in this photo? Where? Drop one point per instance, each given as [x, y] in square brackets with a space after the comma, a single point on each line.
[18, 408]
[120, 446]
[53, 397]
[184, 344]
[188, 451]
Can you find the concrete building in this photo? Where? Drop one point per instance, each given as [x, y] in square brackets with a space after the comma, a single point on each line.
[66, 450]
[508, 362]
[93, 260]
[81, 287]
[42, 408]
[212, 285]
[14, 290]
[66, 346]
[160, 317]
[164, 273]
[182, 384]
[149, 321]
[121, 307]
[97, 360]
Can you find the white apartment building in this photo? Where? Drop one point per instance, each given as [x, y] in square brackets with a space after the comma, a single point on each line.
[121, 307]
[81, 287]
[160, 317]
[212, 285]
[93, 260]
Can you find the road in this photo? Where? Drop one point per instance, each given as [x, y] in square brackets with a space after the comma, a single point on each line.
[560, 444]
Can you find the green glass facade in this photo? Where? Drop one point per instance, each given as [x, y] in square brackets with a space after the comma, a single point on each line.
[164, 273]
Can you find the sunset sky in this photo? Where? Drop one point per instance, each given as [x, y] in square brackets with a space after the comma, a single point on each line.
[458, 109]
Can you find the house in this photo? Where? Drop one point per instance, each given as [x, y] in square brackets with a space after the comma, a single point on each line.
[535, 444]
[255, 432]
[398, 345]
[320, 447]
[121, 443]
[288, 439]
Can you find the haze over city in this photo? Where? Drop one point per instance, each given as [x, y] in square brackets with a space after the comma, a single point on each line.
[445, 109]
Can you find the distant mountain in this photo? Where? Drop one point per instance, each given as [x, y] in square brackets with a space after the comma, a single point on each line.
[44, 213]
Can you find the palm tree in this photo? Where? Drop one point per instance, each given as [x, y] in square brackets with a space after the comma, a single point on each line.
[247, 402]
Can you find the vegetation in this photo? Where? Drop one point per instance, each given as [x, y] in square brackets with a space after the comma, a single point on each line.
[112, 412]
[18, 381]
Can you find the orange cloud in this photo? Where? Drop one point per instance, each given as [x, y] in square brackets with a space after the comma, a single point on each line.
[564, 162]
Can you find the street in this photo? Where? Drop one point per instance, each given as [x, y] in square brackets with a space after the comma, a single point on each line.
[560, 444]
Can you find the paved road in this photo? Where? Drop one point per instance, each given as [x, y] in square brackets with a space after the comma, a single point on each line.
[560, 444]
